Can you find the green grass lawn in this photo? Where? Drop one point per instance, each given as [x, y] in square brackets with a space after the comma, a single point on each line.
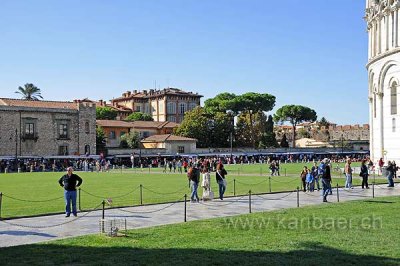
[351, 233]
[123, 187]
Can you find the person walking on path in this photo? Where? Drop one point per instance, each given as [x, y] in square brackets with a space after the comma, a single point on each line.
[303, 176]
[364, 174]
[220, 177]
[70, 182]
[349, 174]
[326, 182]
[194, 177]
[390, 174]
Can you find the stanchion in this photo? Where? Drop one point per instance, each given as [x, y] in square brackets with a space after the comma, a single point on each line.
[249, 201]
[260, 171]
[373, 189]
[102, 216]
[337, 191]
[141, 194]
[285, 171]
[149, 169]
[269, 184]
[298, 198]
[185, 209]
[1, 200]
[79, 199]
[234, 187]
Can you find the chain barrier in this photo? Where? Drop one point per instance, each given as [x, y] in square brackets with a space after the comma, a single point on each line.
[290, 181]
[25, 200]
[116, 197]
[165, 193]
[351, 191]
[261, 197]
[154, 211]
[221, 205]
[255, 184]
[51, 226]
[312, 195]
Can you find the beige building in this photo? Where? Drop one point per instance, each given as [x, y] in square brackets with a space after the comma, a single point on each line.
[171, 143]
[169, 104]
[46, 128]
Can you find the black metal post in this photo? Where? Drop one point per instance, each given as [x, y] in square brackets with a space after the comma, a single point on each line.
[141, 194]
[1, 200]
[234, 187]
[270, 189]
[337, 191]
[185, 209]
[79, 199]
[298, 198]
[249, 201]
[16, 150]
[373, 189]
[102, 216]
[285, 171]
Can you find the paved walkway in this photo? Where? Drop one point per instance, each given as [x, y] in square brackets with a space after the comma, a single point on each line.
[39, 229]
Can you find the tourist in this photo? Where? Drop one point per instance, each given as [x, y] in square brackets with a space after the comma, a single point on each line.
[364, 174]
[303, 176]
[206, 184]
[170, 166]
[314, 172]
[272, 167]
[70, 182]
[395, 168]
[349, 174]
[194, 177]
[381, 163]
[310, 181]
[165, 165]
[326, 181]
[179, 165]
[220, 176]
[390, 174]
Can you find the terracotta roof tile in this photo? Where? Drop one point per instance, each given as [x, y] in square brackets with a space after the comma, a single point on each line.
[38, 104]
[154, 124]
[113, 123]
[166, 137]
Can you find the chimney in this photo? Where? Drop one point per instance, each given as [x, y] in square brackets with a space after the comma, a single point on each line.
[151, 92]
[145, 92]
[101, 102]
[135, 91]
[128, 93]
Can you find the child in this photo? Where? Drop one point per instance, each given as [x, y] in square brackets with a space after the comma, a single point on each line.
[310, 181]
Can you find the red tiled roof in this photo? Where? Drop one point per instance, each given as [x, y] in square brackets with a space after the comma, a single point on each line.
[166, 137]
[154, 93]
[154, 124]
[38, 104]
[113, 123]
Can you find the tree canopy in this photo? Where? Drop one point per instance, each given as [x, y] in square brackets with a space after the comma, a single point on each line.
[29, 92]
[139, 116]
[295, 114]
[106, 113]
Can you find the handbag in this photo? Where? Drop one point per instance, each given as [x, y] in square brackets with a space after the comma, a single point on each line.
[223, 179]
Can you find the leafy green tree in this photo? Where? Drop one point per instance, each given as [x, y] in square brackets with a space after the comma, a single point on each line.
[29, 92]
[195, 125]
[295, 114]
[323, 122]
[131, 140]
[100, 140]
[223, 102]
[249, 131]
[139, 116]
[284, 142]
[220, 128]
[105, 113]
[268, 138]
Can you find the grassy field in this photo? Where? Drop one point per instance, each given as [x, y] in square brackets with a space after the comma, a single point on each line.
[351, 233]
[39, 193]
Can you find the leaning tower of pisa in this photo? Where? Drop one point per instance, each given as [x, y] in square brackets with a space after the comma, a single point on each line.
[382, 17]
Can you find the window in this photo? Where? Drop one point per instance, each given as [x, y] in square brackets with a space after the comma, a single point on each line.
[138, 108]
[393, 99]
[63, 150]
[393, 124]
[111, 135]
[147, 108]
[182, 108]
[181, 149]
[171, 108]
[87, 128]
[29, 130]
[87, 149]
[146, 134]
[171, 119]
[63, 130]
[192, 106]
[122, 133]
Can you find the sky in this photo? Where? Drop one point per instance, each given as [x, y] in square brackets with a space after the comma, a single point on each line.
[310, 53]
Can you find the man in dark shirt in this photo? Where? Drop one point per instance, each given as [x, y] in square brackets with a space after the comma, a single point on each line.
[70, 182]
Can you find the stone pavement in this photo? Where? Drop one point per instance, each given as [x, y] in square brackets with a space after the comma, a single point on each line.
[39, 229]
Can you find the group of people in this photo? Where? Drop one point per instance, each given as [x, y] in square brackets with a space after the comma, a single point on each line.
[312, 177]
[203, 170]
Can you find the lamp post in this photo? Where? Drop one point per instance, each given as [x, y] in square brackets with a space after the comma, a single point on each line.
[16, 149]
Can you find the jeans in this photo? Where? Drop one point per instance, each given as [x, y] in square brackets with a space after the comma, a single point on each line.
[70, 197]
[364, 181]
[222, 189]
[317, 178]
[349, 181]
[194, 195]
[326, 187]
[390, 180]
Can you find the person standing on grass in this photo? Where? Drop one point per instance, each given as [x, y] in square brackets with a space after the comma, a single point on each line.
[206, 184]
[220, 177]
[70, 182]
[390, 174]
[303, 176]
[314, 172]
[364, 174]
[349, 174]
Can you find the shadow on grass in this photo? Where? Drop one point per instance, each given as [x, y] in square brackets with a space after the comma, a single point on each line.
[309, 253]
[379, 201]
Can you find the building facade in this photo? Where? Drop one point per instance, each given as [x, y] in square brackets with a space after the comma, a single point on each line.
[46, 128]
[382, 17]
[169, 104]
